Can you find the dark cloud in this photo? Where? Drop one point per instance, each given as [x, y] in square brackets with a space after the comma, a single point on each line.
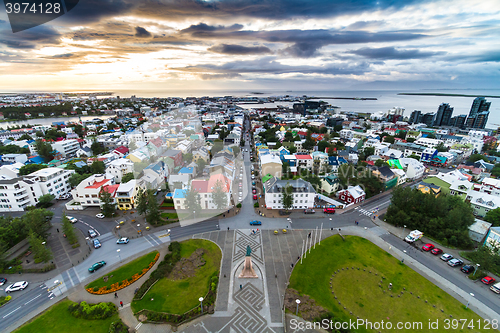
[88, 11]
[268, 65]
[218, 76]
[487, 56]
[30, 39]
[391, 53]
[239, 49]
[364, 25]
[141, 32]
[67, 56]
[205, 30]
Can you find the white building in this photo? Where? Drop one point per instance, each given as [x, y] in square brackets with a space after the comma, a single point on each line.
[118, 168]
[87, 192]
[302, 191]
[67, 148]
[53, 181]
[14, 158]
[414, 169]
[346, 134]
[17, 194]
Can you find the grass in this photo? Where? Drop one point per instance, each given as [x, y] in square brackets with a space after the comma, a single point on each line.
[179, 296]
[445, 187]
[171, 216]
[125, 272]
[359, 290]
[58, 319]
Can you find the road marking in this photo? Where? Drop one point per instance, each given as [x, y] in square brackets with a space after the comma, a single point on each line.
[8, 314]
[31, 300]
[138, 326]
[147, 240]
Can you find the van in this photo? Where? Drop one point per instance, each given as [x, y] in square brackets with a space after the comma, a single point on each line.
[329, 211]
[496, 288]
[414, 236]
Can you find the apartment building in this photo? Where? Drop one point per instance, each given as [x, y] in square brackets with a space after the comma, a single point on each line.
[126, 194]
[303, 193]
[118, 168]
[53, 181]
[87, 192]
[16, 194]
[67, 148]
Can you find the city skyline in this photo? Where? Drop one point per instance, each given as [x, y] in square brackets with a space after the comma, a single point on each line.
[254, 45]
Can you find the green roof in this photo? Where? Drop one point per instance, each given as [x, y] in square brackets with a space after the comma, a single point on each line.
[395, 164]
[266, 178]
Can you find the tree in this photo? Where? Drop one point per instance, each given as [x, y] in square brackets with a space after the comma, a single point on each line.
[337, 128]
[287, 197]
[69, 230]
[236, 150]
[153, 215]
[30, 168]
[389, 139]
[309, 143]
[96, 148]
[98, 167]
[25, 136]
[127, 177]
[77, 178]
[40, 251]
[441, 147]
[493, 216]
[415, 157]
[79, 130]
[411, 140]
[219, 196]
[141, 203]
[496, 170]
[292, 149]
[369, 151]
[38, 221]
[476, 157]
[193, 201]
[380, 163]
[46, 199]
[187, 157]
[201, 164]
[322, 145]
[44, 149]
[108, 202]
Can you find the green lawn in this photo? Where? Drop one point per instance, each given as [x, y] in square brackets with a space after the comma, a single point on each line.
[179, 296]
[58, 319]
[125, 272]
[445, 187]
[359, 291]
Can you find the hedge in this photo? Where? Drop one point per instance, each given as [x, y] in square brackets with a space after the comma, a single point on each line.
[87, 311]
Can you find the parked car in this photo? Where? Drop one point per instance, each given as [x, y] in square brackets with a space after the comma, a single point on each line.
[467, 269]
[123, 240]
[455, 262]
[309, 211]
[21, 285]
[427, 247]
[96, 266]
[253, 177]
[255, 196]
[488, 280]
[446, 257]
[3, 281]
[254, 191]
[329, 211]
[253, 183]
[435, 251]
[96, 243]
[495, 288]
[63, 196]
[72, 219]
[255, 223]
[100, 216]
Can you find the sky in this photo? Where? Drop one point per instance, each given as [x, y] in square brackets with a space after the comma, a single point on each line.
[256, 45]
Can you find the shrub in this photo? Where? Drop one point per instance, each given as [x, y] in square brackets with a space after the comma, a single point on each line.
[256, 205]
[118, 327]
[4, 299]
[95, 289]
[92, 311]
[238, 205]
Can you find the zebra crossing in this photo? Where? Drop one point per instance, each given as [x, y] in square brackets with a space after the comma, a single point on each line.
[364, 211]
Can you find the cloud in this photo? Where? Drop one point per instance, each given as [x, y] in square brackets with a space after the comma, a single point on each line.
[391, 53]
[67, 56]
[30, 39]
[141, 32]
[239, 49]
[486, 56]
[205, 30]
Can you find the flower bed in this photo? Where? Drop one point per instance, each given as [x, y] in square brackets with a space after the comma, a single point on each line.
[122, 284]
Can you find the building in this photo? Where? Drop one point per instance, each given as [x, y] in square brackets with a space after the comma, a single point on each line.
[478, 114]
[352, 195]
[428, 118]
[303, 193]
[126, 194]
[493, 238]
[67, 148]
[482, 203]
[118, 168]
[53, 181]
[87, 192]
[270, 164]
[304, 161]
[14, 158]
[415, 117]
[330, 184]
[443, 115]
[16, 194]
[479, 230]
[458, 121]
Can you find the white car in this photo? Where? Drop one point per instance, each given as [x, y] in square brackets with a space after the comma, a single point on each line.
[446, 257]
[21, 285]
[72, 219]
[63, 196]
[100, 216]
[123, 240]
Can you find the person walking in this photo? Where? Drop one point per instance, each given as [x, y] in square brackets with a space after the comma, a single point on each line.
[121, 304]
[116, 295]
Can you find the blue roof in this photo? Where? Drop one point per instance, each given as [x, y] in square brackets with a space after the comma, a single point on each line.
[179, 194]
[36, 160]
[186, 170]
[336, 160]
[80, 164]
[157, 167]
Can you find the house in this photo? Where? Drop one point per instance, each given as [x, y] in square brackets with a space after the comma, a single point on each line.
[18, 193]
[330, 183]
[118, 168]
[126, 194]
[67, 148]
[479, 230]
[401, 175]
[178, 182]
[413, 168]
[176, 155]
[84, 152]
[53, 181]
[429, 189]
[335, 162]
[158, 170]
[482, 203]
[304, 161]
[14, 158]
[303, 193]
[138, 156]
[385, 175]
[352, 195]
[493, 238]
[202, 153]
[121, 151]
[87, 192]
[187, 171]
[428, 154]
[270, 164]
[10, 171]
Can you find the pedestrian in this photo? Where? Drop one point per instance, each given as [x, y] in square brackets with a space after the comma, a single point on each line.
[227, 228]
[57, 230]
[116, 295]
[309, 236]
[121, 304]
[27, 261]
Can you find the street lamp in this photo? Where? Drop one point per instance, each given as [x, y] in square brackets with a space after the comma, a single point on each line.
[56, 282]
[118, 251]
[201, 304]
[298, 302]
[43, 243]
[475, 269]
[404, 227]
[470, 298]
[194, 214]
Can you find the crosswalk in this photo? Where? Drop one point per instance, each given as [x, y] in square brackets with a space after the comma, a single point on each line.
[364, 211]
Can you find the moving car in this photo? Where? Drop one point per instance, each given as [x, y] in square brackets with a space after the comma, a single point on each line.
[100, 216]
[123, 240]
[329, 211]
[488, 280]
[96, 266]
[427, 247]
[255, 223]
[72, 219]
[467, 269]
[435, 251]
[97, 244]
[495, 288]
[3, 281]
[92, 233]
[21, 285]
[446, 257]
[309, 211]
[455, 262]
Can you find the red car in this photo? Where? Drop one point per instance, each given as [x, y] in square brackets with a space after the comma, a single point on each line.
[254, 191]
[255, 197]
[427, 247]
[487, 280]
[329, 211]
[435, 251]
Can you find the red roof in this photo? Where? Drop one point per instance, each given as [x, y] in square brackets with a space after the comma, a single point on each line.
[98, 184]
[157, 142]
[122, 149]
[303, 157]
[302, 133]
[370, 162]
[214, 178]
[200, 186]
[111, 189]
